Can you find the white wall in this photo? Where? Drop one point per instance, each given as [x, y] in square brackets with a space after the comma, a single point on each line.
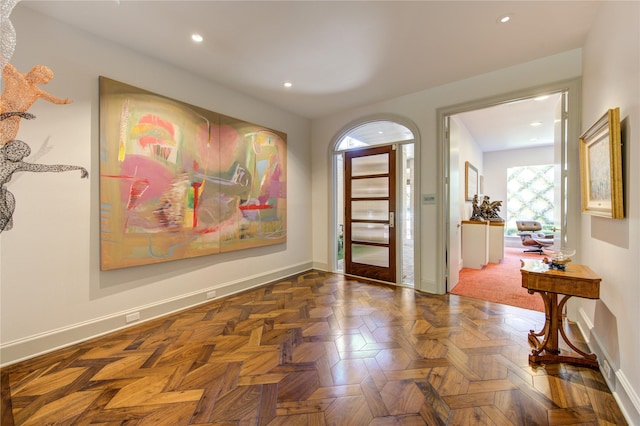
[52, 289]
[611, 78]
[468, 150]
[495, 170]
[462, 148]
[421, 108]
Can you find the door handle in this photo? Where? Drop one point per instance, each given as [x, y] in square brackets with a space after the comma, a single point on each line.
[391, 219]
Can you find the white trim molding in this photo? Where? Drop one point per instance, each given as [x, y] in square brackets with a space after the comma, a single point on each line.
[429, 286]
[617, 380]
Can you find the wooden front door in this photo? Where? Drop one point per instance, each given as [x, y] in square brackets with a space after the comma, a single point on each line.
[370, 210]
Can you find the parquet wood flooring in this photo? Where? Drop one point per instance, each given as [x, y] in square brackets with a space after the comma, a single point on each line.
[315, 349]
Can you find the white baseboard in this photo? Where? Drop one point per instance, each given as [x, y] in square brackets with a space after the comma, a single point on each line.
[321, 266]
[621, 389]
[39, 344]
[430, 287]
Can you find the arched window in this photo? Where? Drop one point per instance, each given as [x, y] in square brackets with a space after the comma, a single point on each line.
[374, 133]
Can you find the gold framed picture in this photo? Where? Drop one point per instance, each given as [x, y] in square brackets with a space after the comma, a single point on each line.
[601, 167]
[471, 180]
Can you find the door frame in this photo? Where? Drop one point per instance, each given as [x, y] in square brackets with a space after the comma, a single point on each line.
[390, 272]
[333, 194]
[571, 232]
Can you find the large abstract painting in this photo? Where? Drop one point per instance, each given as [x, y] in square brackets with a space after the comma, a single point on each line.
[178, 181]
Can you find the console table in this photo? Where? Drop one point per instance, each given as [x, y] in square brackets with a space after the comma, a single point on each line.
[475, 244]
[576, 280]
[496, 241]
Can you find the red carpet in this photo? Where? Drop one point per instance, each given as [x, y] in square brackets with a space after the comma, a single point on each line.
[500, 282]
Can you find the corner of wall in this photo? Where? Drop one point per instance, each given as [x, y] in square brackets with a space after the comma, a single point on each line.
[321, 266]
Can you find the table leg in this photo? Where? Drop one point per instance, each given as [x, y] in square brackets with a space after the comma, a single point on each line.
[549, 344]
[589, 357]
[548, 350]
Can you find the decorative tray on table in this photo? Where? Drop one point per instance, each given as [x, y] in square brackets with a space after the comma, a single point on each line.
[558, 258]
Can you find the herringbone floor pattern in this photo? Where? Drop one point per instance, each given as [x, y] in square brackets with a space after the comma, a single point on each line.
[316, 349]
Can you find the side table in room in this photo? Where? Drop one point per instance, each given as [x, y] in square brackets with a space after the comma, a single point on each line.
[576, 280]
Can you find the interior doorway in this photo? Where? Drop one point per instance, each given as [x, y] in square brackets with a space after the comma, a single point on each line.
[565, 113]
[374, 206]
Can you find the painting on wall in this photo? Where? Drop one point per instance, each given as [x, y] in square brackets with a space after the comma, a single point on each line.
[601, 167]
[178, 181]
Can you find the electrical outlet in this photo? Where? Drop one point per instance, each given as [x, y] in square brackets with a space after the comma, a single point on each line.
[132, 317]
[211, 294]
[606, 369]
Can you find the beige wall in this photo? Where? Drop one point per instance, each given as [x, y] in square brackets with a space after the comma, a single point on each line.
[611, 78]
[467, 149]
[52, 289]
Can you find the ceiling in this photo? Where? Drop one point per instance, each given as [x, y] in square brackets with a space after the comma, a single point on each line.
[519, 124]
[337, 54]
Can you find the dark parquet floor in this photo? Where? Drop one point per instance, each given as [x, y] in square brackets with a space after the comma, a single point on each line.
[315, 349]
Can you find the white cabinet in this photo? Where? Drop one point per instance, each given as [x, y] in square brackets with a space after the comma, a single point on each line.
[475, 244]
[496, 242]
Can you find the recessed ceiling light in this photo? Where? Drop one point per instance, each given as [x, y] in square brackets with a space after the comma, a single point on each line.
[288, 84]
[536, 124]
[197, 38]
[505, 18]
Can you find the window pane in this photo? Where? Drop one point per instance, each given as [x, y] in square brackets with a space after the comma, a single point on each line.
[375, 133]
[530, 195]
[370, 210]
[370, 165]
[370, 187]
[370, 232]
[370, 255]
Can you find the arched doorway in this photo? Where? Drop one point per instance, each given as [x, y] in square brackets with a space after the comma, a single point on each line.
[374, 200]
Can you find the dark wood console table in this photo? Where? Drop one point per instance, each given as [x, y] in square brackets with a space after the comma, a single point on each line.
[576, 280]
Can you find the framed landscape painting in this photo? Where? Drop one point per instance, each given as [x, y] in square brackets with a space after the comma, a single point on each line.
[601, 167]
[178, 181]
